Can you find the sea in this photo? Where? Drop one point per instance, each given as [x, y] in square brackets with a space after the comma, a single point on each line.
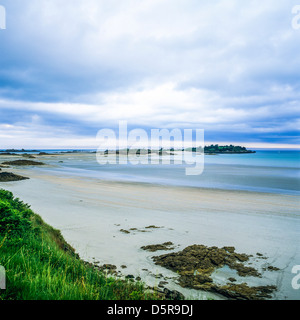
[267, 170]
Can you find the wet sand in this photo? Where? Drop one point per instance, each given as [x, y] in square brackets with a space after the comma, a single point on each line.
[91, 212]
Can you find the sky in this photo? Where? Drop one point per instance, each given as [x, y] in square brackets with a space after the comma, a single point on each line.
[71, 68]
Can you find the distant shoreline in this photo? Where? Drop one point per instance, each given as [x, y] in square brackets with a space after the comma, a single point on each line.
[123, 151]
[43, 151]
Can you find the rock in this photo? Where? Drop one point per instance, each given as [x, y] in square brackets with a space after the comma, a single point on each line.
[152, 227]
[229, 249]
[244, 292]
[124, 231]
[193, 281]
[23, 163]
[241, 257]
[195, 265]
[244, 271]
[167, 294]
[129, 276]
[8, 177]
[109, 266]
[271, 268]
[156, 247]
[173, 294]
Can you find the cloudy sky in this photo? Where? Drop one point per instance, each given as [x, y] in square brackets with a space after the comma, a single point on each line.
[69, 68]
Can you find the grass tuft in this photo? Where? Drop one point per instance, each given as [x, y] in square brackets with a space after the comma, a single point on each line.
[40, 265]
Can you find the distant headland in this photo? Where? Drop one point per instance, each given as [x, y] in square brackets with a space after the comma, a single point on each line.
[212, 149]
[226, 149]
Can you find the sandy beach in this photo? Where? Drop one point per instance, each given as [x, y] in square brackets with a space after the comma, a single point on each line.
[93, 215]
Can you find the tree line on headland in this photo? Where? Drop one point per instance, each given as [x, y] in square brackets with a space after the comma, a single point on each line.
[226, 149]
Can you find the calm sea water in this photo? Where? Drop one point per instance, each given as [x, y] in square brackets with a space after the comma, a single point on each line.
[275, 171]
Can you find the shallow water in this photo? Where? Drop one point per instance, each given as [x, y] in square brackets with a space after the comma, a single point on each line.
[264, 171]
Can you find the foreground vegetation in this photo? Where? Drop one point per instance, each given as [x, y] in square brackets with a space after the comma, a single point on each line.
[40, 265]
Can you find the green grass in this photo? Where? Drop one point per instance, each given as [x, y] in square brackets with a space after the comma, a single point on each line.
[40, 265]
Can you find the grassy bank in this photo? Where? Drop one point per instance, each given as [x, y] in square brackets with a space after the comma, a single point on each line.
[40, 265]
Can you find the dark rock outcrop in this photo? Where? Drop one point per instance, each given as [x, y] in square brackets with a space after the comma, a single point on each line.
[23, 163]
[195, 265]
[8, 177]
[156, 247]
